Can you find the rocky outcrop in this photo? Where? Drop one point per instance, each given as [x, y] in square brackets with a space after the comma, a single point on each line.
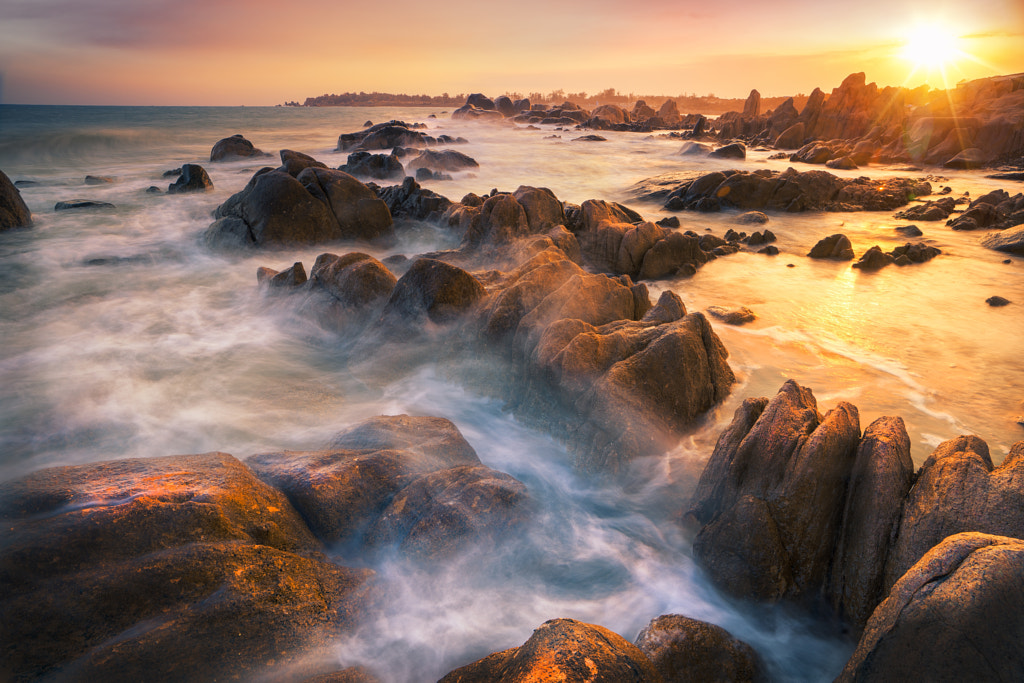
[386, 135]
[193, 178]
[563, 650]
[996, 210]
[164, 569]
[235, 147]
[318, 206]
[684, 649]
[958, 490]
[14, 213]
[410, 200]
[956, 615]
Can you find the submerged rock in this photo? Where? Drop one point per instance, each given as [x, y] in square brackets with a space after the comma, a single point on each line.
[79, 204]
[563, 650]
[193, 178]
[733, 316]
[446, 160]
[684, 649]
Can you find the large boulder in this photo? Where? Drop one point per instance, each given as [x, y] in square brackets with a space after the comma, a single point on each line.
[193, 178]
[378, 166]
[293, 163]
[958, 490]
[14, 212]
[684, 650]
[432, 290]
[770, 501]
[234, 147]
[836, 247]
[563, 650]
[164, 569]
[356, 280]
[956, 615]
[792, 137]
[357, 210]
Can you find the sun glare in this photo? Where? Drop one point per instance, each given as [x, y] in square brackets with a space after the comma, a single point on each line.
[931, 47]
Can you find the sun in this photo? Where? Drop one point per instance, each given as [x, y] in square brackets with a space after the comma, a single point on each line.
[931, 47]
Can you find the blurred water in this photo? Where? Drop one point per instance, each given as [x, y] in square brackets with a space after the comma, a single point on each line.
[123, 337]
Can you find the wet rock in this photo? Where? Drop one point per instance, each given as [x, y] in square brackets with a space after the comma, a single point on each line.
[996, 301]
[434, 290]
[409, 200]
[14, 213]
[427, 174]
[99, 180]
[669, 255]
[379, 166]
[909, 230]
[234, 147]
[771, 498]
[388, 135]
[958, 489]
[290, 278]
[542, 208]
[684, 649]
[696, 149]
[356, 280]
[792, 137]
[1010, 241]
[78, 204]
[358, 213]
[836, 247]
[880, 479]
[293, 163]
[970, 158]
[914, 253]
[193, 178]
[563, 650]
[928, 627]
[341, 491]
[733, 316]
[590, 138]
[164, 569]
[770, 250]
[735, 150]
[447, 160]
[752, 218]
[937, 210]
[874, 259]
[441, 513]
[845, 163]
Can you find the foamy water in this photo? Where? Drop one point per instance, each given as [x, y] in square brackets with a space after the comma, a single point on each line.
[123, 337]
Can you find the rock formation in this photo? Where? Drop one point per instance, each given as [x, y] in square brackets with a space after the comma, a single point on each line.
[14, 213]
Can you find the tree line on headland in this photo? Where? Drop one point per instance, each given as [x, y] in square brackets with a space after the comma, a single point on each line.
[693, 103]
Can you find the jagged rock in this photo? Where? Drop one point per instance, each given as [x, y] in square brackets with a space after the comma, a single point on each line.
[835, 247]
[14, 213]
[929, 626]
[771, 498]
[234, 147]
[289, 278]
[427, 174]
[563, 650]
[914, 253]
[193, 178]
[164, 569]
[379, 166]
[874, 259]
[409, 200]
[684, 649]
[957, 489]
[937, 210]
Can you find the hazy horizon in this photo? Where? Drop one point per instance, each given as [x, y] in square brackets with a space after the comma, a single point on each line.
[228, 52]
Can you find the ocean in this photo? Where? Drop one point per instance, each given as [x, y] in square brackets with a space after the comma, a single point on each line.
[123, 336]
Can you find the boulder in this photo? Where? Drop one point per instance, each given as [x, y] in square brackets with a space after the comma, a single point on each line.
[874, 259]
[997, 301]
[234, 147]
[914, 253]
[969, 158]
[752, 107]
[1010, 241]
[684, 649]
[14, 213]
[378, 166]
[99, 180]
[845, 163]
[480, 101]
[164, 569]
[930, 625]
[409, 200]
[936, 210]
[358, 213]
[695, 149]
[293, 163]
[735, 150]
[836, 247]
[356, 280]
[957, 490]
[542, 208]
[193, 178]
[771, 498]
[792, 137]
[733, 316]
[504, 105]
[562, 650]
[439, 514]
[447, 160]
[433, 290]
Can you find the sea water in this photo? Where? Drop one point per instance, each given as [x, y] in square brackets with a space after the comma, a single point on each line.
[123, 336]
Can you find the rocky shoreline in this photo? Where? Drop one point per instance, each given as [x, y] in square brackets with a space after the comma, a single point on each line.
[207, 567]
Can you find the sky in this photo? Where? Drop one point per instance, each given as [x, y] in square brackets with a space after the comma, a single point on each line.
[266, 52]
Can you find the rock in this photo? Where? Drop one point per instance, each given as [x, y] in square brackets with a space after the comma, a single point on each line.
[435, 290]
[752, 107]
[937, 210]
[562, 650]
[667, 256]
[77, 204]
[234, 147]
[504, 105]
[696, 149]
[427, 174]
[439, 514]
[733, 316]
[996, 301]
[14, 213]
[288, 279]
[957, 489]
[480, 101]
[193, 178]
[792, 137]
[735, 150]
[752, 217]
[164, 569]
[356, 280]
[447, 160]
[379, 166]
[882, 475]
[1010, 241]
[343, 490]
[684, 649]
[293, 163]
[842, 163]
[874, 259]
[969, 159]
[99, 180]
[388, 135]
[914, 253]
[542, 208]
[836, 247]
[590, 138]
[928, 627]
[771, 498]
[770, 251]
[358, 213]
[909, 230]
[409, 200]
